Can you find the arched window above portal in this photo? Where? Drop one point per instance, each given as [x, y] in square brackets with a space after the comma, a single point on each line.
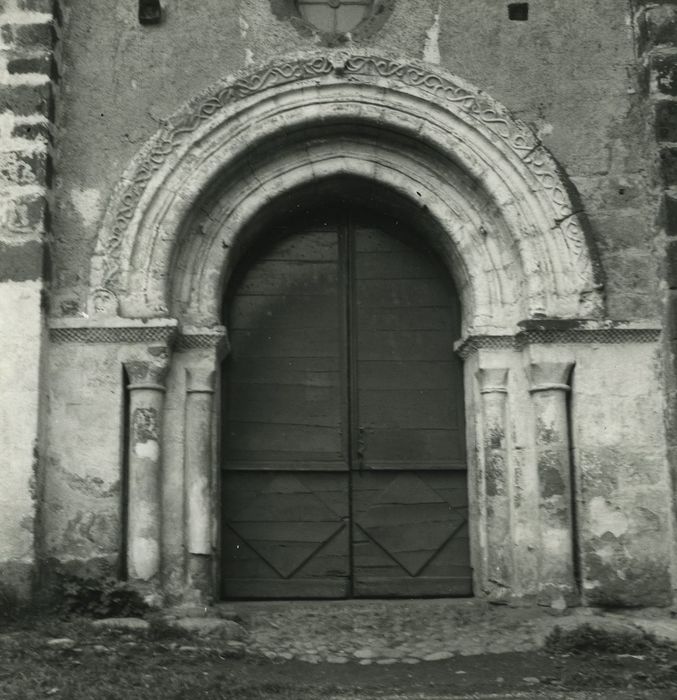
[335, 16]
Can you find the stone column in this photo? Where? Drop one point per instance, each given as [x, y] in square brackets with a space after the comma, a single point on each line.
[201, 351]
[198, 476]
[549, 388]
[146, 404]
[494, 391]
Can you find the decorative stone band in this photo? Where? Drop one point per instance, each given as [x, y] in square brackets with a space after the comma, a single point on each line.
[550, 387]
[132, 331]
[592, 332]
[113, 330]
[192, 339]
[442, 88]
[493, 390]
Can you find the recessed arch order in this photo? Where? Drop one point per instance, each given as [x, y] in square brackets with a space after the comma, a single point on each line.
[500, 208]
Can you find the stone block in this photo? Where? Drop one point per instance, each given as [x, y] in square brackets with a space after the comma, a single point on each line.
[668, 165]
[32, 130]
[666, 121]
[670, 213]
[671, 316]
[671, 264]
[36, 5]
[23, 215]
[28, 35]
[657, 26]
[35, 64]
[20, 263]
[664, 73]
[26, 99]
[21, 168]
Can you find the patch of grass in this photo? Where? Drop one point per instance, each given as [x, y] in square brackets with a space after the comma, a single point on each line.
[587, 639]
[106, 597]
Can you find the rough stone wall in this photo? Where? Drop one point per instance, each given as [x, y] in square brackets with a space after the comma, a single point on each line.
[26, 35]
[570, 71]
[656, 28]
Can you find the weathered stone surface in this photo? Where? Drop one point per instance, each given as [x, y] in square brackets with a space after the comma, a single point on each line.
[130, 624]
[62, 643]
[210, 627]
[570, 75]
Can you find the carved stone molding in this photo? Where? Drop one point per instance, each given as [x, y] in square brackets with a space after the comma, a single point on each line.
[192, 339]
[609, 335]
[114, 330]
[371, 90]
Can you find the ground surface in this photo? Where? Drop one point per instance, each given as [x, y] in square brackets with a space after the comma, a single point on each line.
[75, 660]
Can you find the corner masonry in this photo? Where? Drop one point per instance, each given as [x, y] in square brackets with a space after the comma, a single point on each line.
[26, 37]
[656, 32]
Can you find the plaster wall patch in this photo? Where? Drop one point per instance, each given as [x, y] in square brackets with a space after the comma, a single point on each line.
[147, 450]
[604, 518]
[87, 203]
[431, 49]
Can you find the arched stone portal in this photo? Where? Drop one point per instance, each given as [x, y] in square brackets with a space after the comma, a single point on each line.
[483, 192]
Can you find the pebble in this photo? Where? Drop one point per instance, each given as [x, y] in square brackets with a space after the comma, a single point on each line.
[337, 659]
[364, 653]
[210, 627]
[386, 662]
[133, 624]
[531, 680]
[310, 658]
[365, 662]
[61, 643]
[438, 656]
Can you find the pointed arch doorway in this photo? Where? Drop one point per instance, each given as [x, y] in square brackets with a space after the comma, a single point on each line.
[343, 451]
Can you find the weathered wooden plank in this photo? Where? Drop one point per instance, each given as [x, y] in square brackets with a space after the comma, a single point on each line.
[411, 318]
[261, 588]
[292, 438]
[405, 293]
[292, 343]
[310, 243]
[414, 445]
[284, 311]
[287, 277]
[373, 586]
[285, 461]
[399, 346]
[386, 265]
[279, 371]
[429, 409]
[282, 404]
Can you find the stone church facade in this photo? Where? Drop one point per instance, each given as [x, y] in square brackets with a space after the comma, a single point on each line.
[331, 299]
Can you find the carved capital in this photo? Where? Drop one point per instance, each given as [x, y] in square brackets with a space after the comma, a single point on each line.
[151, 373]
[199, 380]
[493, 381]
[546, 376]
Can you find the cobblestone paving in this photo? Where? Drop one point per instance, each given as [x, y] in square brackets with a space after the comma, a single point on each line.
[388, 632]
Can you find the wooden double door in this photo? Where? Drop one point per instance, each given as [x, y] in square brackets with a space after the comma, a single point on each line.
[343, 456]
